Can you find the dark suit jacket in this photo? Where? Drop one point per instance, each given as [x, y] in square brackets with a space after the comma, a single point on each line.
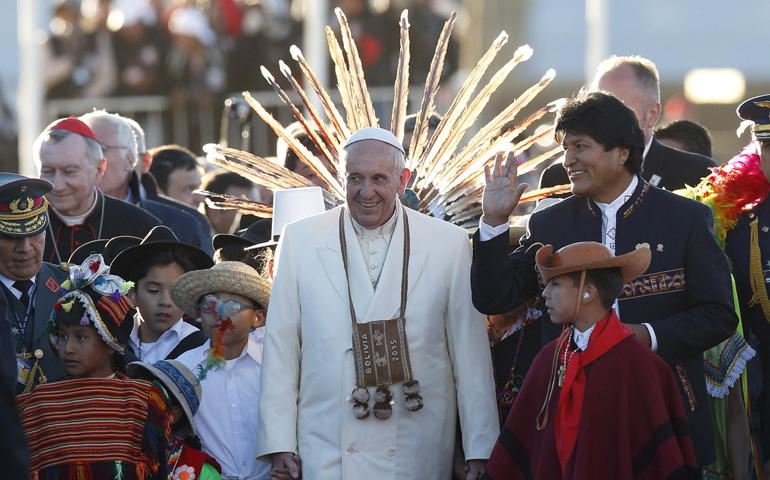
[737, 248]
[685, 294]
[674, 168]
[120, 218]
[186, 228]
[14, 456]
[47, 292]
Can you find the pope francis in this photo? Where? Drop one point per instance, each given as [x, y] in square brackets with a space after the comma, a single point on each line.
[373, 349]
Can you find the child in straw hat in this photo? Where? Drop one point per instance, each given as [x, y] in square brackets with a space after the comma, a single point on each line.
[230, 299]
[609, 407]
[96, 423]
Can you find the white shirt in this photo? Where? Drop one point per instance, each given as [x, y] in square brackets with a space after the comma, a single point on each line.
[581, 338]
[9, 284]
[226, 421]
[374, 244]
[158, 350]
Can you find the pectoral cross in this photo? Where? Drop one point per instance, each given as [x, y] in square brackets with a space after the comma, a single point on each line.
[562, 372]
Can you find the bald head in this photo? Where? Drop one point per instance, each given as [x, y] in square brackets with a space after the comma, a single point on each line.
[633, 80]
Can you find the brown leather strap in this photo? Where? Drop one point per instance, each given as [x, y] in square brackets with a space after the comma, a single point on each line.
[404, 268]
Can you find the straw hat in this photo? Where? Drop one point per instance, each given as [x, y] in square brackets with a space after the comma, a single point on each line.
[231, 277]
[590, 256]
[178, 380]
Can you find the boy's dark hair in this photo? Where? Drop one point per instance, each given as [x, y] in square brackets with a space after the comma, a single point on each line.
[695, 138]
[607, 120]
[161, 257]
[608, 283]
[167, 159]
[218, 182]
[292, 159]
[236, 253]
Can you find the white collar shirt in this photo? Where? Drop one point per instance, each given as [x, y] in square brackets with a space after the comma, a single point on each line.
[581, 338]
[374, 244]
[226, 421]
[9, 285]
[158, 350]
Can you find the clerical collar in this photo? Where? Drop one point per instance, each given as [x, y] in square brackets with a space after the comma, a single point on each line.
[79, 219]
[581, 338]
[384, 230]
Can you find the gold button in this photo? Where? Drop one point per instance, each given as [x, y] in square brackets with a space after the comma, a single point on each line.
[38, 353]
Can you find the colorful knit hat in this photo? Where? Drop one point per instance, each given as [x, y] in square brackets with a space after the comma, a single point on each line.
[95, 296]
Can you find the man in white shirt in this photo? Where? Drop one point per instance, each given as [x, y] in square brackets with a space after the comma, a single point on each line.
[680, 307]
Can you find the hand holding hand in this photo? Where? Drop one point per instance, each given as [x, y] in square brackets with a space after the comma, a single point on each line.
[286, 466]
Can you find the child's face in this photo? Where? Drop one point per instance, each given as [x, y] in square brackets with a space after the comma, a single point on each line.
[83, 352]
[561, 296]
[152, 296]
[234, 338]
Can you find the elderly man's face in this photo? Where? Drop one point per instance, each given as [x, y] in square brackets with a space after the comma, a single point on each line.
[119, 160]
[21, 258]
[66, 165]
[594, 173]
[372, 182]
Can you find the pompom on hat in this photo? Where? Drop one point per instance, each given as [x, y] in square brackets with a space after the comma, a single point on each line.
[231, 277]
[94, 296]
[590, 256]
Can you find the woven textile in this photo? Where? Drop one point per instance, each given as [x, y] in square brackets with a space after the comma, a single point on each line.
[95, 428]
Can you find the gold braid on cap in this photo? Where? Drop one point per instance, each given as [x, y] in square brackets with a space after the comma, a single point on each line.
[24, 216]
[448, 176]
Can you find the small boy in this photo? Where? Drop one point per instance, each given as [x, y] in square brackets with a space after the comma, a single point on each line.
[609, 408]
[183, 396]
[153, 264]
[95, 423]
[231, 300]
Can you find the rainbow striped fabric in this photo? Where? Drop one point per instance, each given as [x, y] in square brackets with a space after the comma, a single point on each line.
[95, 429]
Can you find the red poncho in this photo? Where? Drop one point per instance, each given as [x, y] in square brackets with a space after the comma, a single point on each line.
[618, 416]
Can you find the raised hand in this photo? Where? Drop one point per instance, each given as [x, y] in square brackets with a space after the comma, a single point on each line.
[501, 194]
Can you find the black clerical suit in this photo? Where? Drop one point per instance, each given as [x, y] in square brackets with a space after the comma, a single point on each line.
[685, 294]
[110, 218]
[671, 168]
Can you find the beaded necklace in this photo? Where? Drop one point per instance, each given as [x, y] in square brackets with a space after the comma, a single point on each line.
[507, 394]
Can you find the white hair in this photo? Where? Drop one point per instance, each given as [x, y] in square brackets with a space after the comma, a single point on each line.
[398, 158]
[93, 149]
[125, 135]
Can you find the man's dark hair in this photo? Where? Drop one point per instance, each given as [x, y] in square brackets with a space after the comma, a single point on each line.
[409, 122]
[607, 120]
[292, 159]
[168, 158]
[694, 137]
[608, 283]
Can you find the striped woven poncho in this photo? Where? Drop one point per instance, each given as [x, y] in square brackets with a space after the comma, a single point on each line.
[95, 429]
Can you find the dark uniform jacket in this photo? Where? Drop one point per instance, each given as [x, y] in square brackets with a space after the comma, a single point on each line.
[671, 168]
[119, 218]
[686, 293]
[737, 247]
[34, 337]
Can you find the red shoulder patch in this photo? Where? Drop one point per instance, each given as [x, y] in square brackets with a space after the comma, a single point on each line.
[52, 285]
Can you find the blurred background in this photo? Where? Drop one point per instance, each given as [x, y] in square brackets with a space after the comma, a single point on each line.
[178, 66]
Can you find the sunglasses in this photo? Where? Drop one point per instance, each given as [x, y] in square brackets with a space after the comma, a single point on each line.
[224, 309]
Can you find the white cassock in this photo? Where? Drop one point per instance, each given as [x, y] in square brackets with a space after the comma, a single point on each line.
[308, 363]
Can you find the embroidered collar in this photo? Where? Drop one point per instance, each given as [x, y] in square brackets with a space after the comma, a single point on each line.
[637, 196]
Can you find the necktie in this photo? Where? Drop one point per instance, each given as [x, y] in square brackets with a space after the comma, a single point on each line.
[24, 286]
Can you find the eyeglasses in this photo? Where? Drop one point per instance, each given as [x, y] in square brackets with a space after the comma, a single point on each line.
[223, 309]
[117, 147]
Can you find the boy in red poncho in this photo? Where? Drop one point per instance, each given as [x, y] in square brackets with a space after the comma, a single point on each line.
[609, 408]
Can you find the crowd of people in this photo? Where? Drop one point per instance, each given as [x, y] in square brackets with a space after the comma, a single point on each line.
[148, 334]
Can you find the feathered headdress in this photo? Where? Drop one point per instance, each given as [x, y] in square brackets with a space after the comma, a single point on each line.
[731, 189]
[447, 177]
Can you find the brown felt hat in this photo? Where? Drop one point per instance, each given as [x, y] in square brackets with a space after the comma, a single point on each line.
[590, 256]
